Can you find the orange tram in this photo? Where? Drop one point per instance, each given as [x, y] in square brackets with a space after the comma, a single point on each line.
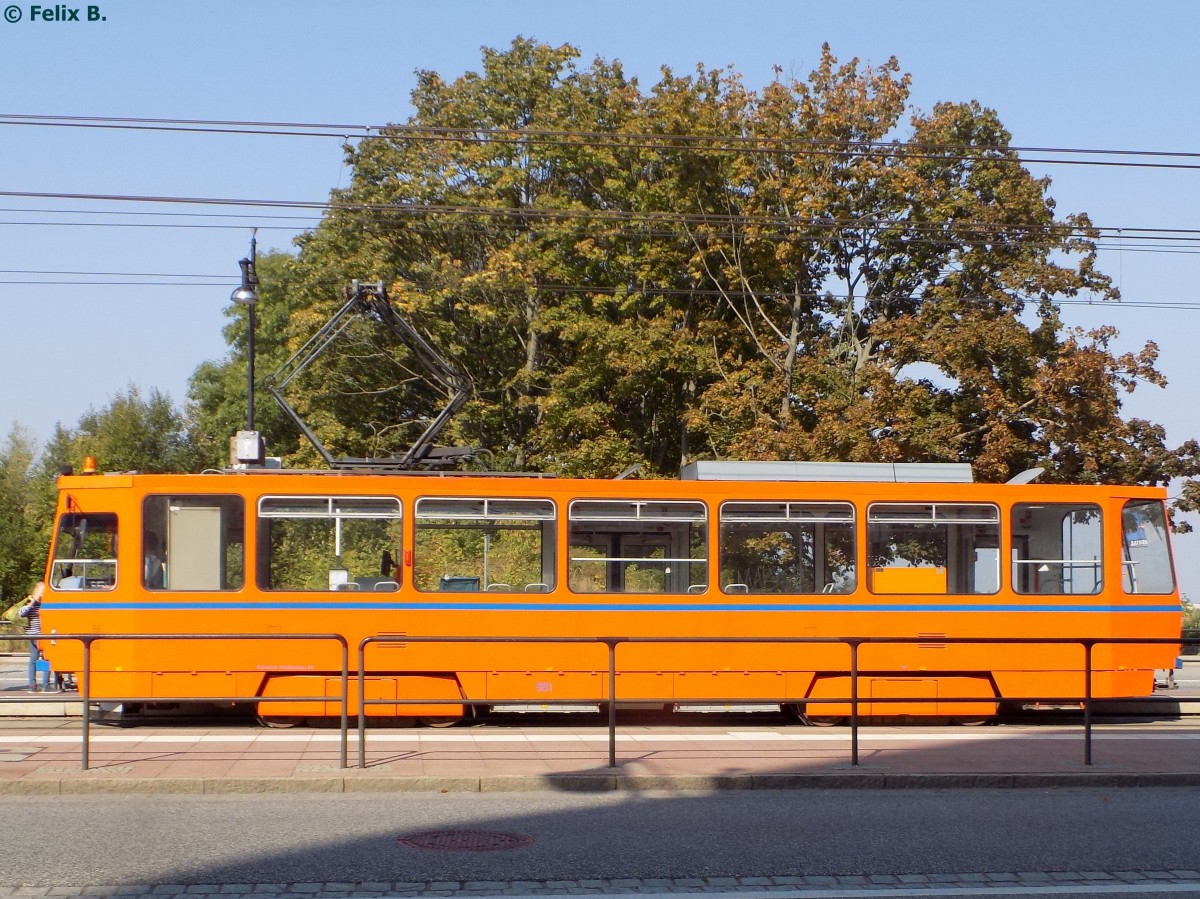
[730, 550]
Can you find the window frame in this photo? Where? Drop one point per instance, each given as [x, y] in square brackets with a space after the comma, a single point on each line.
[641, 514]
[1099, 566]
[920, 584]
[233, 504]
[848, 518]
[86, 584]
[543, 511]
[338, 508]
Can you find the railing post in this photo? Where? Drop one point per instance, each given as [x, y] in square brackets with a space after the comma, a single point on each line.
[854, 703]
[362, 709]
[611, 643]
[345, 735]
[85, 689]
[1087, 701]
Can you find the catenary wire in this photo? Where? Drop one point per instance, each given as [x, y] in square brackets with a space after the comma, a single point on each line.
[553, 214]
[609, 139]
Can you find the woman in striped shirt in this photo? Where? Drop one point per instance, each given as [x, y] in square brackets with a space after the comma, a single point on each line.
[32, 613]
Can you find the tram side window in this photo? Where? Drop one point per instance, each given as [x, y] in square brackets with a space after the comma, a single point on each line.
[638, 546]
[1057, 548]
[1146, 552]
[464, 544]
[193, 542]
[85, 552]
[787, 547]
[342, 543]
[933, 548]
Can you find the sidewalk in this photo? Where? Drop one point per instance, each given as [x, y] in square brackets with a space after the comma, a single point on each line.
[41, 752]
[40, 756]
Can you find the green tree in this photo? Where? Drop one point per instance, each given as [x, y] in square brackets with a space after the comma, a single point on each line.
[26, 507]
[705, 270]
[134, 432]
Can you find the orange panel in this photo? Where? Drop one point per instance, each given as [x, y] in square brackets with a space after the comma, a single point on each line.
[899, 688]
[908, 580]
[730, 685]
[189, 684]
[549, 685]
[427, 687]
[633, 686]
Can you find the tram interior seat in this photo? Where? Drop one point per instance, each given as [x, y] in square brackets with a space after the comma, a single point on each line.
[737, 588]
[844, 586]
[376, 584]
[499, 588]
[697, 588]
[537, 588]
[456, 583]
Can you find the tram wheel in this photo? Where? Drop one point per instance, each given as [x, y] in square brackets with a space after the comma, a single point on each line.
[440, 721]
[814, 720]
[280, 722]
[969, 721]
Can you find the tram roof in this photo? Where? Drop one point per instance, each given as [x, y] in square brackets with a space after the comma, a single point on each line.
[897, 472]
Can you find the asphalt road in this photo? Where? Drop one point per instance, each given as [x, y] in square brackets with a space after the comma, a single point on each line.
[61, 841]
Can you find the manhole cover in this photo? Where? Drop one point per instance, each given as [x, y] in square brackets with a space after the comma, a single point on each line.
[465, 840]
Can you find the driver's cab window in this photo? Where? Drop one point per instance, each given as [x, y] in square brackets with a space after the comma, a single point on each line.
[85, 552]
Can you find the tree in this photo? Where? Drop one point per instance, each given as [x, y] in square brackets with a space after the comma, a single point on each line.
[132, 433]
[26, 507]
[703, 270]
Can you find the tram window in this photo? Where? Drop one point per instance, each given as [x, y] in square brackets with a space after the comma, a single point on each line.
[1057, 548]
[85, 552]
[340, 543]
[787, 547]
[933, 548]
[496, 545]
[193, 542]
[1146, 552]
[638, 546]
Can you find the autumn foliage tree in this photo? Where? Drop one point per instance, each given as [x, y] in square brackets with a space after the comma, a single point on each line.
[629, 277]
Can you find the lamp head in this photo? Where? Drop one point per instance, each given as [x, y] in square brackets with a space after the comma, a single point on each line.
[246, 295]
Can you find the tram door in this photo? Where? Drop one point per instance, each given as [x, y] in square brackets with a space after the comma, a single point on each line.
[197, 530]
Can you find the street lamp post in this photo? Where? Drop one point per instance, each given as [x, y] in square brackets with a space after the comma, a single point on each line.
[248, 444]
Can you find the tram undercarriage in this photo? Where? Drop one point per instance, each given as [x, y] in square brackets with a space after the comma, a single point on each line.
[446, 698]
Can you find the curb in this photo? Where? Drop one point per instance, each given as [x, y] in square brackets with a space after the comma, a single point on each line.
[66, 786]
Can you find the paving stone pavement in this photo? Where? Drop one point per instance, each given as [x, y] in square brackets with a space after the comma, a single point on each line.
[45, 756]
[744, 887]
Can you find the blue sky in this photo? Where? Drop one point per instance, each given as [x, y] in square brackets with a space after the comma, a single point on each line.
[1109, 75]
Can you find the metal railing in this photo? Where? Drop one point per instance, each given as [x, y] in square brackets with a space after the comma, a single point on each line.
[83, 678]
[610, 697]
[1086, 701]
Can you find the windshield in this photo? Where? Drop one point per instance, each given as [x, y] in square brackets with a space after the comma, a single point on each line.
[85, 552]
